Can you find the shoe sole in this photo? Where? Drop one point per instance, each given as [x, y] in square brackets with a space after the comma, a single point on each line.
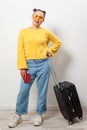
[37, 125]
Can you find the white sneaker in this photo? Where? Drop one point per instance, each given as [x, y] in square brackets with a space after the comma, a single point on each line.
[38, 120]
[15, 121]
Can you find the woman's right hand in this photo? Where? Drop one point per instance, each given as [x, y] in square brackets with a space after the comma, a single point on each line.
[48, 54]
[23, 73]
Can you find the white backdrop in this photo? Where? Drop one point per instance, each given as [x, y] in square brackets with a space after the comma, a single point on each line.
[68, 20]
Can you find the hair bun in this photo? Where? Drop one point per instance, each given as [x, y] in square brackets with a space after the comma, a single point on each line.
[34, 9]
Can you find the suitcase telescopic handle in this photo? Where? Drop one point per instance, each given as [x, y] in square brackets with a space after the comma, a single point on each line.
[53, 73]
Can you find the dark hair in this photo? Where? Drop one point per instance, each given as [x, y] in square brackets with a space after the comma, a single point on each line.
[44, 12]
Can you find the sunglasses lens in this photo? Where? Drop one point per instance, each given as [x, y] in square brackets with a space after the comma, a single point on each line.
[35, 16]
[39, 17]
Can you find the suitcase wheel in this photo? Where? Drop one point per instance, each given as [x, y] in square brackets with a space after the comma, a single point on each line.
[70, 122]
[80, 117]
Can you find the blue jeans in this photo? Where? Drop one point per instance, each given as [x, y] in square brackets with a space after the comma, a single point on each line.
[39, 69]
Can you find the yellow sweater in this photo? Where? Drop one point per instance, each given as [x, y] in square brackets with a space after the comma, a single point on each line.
[33, 44]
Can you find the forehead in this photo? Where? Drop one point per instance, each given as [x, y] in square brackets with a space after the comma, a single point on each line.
[40, 13]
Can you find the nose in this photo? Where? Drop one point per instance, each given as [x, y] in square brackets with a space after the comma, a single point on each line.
[37, 18]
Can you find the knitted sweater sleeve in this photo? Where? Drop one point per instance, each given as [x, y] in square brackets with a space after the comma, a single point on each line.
[21, 58]
[56, 43]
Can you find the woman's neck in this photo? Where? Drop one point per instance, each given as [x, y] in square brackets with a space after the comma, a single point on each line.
[35, 27]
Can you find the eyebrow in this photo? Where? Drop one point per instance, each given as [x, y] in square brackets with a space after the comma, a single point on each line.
[38, 15]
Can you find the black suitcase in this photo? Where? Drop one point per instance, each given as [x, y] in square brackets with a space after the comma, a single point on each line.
[67, 98]
[68, 101]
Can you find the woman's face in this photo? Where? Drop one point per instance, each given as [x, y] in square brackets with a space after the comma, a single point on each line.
[37, 18]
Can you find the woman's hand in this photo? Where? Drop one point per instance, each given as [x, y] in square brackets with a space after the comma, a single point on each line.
[23, 73]
[48, 54]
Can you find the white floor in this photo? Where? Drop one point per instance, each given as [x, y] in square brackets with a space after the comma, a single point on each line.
[53, 120]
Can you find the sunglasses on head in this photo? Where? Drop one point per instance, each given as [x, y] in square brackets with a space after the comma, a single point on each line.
[38, 17]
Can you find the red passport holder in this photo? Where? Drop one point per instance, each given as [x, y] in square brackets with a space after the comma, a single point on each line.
[27, 79]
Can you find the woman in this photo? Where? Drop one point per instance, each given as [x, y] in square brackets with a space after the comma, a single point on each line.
[32, 58]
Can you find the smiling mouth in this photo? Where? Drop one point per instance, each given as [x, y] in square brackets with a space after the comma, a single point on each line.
[37, 21]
